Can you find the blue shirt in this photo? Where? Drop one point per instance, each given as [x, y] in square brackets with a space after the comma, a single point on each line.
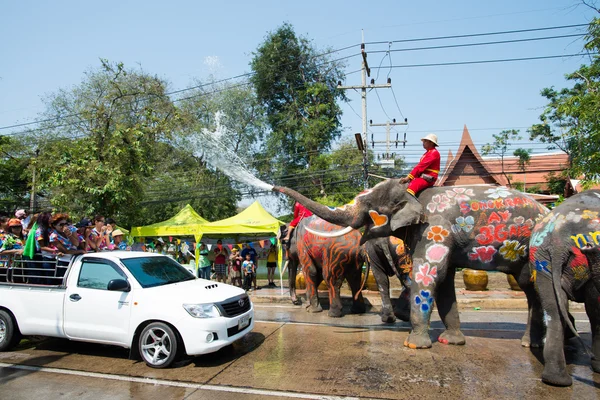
[252, 253]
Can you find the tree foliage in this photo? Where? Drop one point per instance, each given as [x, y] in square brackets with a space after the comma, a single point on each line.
[297, 87]
[500, 146]
[570, 120]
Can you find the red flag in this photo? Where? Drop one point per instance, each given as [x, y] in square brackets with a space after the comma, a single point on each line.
[230, 246]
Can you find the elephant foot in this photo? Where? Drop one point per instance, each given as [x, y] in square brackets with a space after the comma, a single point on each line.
[358, 308]
[416, 341]
[556, 378]
[596, 365]
[452, 337]
[388, 317]
[334, 313]
[314, 309]
[527, 341]
[296, 302]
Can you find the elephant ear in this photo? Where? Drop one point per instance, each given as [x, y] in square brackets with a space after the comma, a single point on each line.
[410, 214]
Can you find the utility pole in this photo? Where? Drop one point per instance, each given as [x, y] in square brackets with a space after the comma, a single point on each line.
[365, 71]
[388, 125]
[32, 197]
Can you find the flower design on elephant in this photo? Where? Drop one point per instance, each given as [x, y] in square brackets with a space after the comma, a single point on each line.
[426, 274]
[439, 203]
[398, 244]
[499, 192]
[512, 250]
[464, 223]
[436, 253]
[437, 233]
[574, 217]
[542, 266]
[378, 219]
[424, 300]
[588, 214]
[483, 253]
[460, 194]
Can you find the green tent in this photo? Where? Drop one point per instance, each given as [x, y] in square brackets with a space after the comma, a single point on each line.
[186, 222]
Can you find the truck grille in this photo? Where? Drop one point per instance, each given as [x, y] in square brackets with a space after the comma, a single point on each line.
[237, 306]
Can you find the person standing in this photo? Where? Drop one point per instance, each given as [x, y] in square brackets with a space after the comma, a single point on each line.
[271, 264]
[249, 250]
[249, 271]
[235, 265]
[204, 263]
[221, 256]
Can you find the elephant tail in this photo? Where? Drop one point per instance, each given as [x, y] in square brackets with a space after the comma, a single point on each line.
[364, 281]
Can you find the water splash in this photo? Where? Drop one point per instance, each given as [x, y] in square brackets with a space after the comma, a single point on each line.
[216, 148]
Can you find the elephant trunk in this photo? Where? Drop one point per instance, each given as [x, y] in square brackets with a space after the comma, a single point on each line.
[335, 216]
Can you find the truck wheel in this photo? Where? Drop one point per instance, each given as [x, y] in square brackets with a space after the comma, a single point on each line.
[158, 345]
[9, 334]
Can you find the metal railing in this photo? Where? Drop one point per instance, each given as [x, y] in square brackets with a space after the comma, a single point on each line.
[15, 269]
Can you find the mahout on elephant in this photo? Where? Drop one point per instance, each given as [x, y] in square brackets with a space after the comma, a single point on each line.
[565, 265]
[483, 227]
[328, 259]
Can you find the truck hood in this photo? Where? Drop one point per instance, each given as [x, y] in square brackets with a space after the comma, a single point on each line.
[198, 291]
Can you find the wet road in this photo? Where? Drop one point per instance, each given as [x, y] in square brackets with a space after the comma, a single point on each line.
[293, 354]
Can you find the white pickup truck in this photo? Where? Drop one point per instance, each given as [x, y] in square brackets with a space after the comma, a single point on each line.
[145, 302]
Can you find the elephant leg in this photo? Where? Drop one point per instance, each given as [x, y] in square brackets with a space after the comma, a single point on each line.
[592, 308]
[555, 366]
[354, 281]
[334, 280]
[534, 332]
[448, 309]
[383, 284]
[313, 279]
[420, 313]
[292, 272]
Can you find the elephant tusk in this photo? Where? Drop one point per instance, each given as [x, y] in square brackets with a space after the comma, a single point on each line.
[339, 233]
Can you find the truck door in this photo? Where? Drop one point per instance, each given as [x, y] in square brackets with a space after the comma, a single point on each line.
[92, 312]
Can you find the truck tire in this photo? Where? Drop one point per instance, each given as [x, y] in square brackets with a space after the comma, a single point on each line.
[158, 345]
[9, 333]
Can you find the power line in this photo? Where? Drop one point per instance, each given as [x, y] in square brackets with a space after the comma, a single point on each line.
[480, 34]
[487, 61]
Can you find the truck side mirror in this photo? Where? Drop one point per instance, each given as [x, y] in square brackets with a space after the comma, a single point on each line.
[119, 285]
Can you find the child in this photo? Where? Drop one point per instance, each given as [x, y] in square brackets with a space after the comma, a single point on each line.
[248, 270]
[235, 265]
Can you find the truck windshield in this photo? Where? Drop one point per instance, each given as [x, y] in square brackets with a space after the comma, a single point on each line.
[156, 271]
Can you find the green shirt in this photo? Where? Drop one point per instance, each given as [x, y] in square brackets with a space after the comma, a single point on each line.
[204, 261]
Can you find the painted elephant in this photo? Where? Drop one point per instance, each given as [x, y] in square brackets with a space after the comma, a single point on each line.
[329, 259]
[565, 265]
[388, 257]
[483, 227]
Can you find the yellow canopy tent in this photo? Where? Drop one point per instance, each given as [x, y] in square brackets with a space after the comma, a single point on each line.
[254, 221]
[186, 222]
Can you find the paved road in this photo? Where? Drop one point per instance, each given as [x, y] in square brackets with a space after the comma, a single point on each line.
[293, 354]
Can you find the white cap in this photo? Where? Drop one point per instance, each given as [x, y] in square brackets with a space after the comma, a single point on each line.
[431, 137]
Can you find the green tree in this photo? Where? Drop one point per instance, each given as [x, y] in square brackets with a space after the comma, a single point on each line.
[500, 146]
[524, 159]
[570, 120]
[16, 163]
[99, 141]
[297, 87]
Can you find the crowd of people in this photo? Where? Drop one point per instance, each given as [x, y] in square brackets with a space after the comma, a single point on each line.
[48, 236]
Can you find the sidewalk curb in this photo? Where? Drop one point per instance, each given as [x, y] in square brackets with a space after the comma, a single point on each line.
[489, 300]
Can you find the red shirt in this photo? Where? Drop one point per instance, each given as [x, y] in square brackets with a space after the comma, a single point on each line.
[429, 164]
[300, 212]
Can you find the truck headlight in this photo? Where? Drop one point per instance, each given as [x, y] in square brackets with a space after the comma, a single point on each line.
[202, 310]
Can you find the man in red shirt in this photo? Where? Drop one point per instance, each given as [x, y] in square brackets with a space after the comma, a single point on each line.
[426, 172]
[300, 212]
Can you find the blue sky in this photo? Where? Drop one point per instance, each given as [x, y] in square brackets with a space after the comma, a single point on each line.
[49, 45]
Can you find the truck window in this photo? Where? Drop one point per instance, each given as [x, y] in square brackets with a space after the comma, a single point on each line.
[156, 271]
[95, 275]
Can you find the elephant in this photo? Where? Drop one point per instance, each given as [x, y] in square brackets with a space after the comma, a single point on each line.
[329, 259]
[482, 226]
[388, 257]
[565, 265]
